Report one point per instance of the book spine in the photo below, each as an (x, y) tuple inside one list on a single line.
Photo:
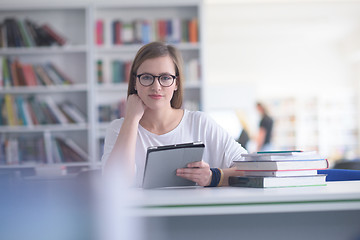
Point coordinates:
[(73, 112), (24, 35), (99, 32), (193, 31), (45, 79), (29, 75), (65, 78), (60, 40), (21, 114), (246, 182), (10, 110), (100, 72), (27, 115), (52, 75), (56, 111)]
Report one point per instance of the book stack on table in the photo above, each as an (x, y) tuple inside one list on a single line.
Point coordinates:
[(280, 169)]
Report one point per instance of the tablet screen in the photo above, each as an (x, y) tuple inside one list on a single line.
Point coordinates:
[(162, 162)]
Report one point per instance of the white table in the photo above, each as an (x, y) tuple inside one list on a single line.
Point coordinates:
[(324, 212)]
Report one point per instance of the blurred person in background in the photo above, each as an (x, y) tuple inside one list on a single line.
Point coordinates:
[(265, 129)]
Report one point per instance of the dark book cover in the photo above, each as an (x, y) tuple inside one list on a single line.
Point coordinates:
[(50, 116), (10, 35), (68, 153), (31, 29), (60, 40)]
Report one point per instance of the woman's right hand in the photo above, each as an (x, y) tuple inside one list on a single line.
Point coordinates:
[(135, 107)]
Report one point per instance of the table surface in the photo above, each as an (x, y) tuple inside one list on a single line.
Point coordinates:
[(335, 196)]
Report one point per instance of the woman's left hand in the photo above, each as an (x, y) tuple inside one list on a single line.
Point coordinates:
[(198, 172)]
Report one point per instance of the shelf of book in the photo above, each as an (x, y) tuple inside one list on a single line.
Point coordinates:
[(44, 85), (120, 31), (116, 49), (325, 123), (72, 45)]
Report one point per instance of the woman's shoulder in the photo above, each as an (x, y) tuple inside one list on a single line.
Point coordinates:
[(198, 116), (116, 124)]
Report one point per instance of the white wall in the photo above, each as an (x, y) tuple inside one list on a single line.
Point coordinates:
[(280, 48)]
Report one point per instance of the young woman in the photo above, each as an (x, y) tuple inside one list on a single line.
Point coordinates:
[(154, 117)]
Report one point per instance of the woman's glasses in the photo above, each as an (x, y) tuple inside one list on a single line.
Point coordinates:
[(147, 79)]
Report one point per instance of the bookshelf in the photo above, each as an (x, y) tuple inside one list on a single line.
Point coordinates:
[(325, 123), (78, 60), (29, 142), (110, 94)]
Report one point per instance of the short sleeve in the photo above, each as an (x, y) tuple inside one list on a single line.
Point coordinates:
[(112, 133)]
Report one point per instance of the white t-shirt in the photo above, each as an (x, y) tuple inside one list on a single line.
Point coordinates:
[(220, 148)]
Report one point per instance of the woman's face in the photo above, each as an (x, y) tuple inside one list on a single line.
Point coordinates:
[(156, 96)]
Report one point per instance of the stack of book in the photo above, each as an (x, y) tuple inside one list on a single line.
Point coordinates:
[(280, 169)]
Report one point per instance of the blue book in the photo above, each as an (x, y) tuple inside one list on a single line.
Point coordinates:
[(146, 32), (21, 114)]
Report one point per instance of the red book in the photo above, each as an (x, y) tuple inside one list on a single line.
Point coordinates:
[(29, 74), (161, 30), (193, 31), (99, 32), (118, 38)]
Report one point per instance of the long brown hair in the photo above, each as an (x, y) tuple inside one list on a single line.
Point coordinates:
[(154, 50)]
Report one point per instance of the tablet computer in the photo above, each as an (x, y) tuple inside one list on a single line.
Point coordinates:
[(162, 162)]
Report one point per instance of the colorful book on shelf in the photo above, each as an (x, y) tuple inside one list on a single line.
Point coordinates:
[(274, 182), (127, 33), (37, 111), (25, 34), (99, 32), (10, 110), (73, 112), (6, 72), (1, 71), (50, 118), (19, 73), (2, 37), (32, 33), (29, 75), (42, 75), (146, 32), (99, 71), (55, 110), (193, 31), (64, 78), (14, 76), (31, 150), (60, 40), (20, 111), (117, 37), (69, 150)]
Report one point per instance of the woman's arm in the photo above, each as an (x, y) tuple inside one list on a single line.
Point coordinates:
[(228, 172), (200, 173), (123, 152)]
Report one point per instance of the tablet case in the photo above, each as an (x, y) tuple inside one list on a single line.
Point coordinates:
[(162, 162)]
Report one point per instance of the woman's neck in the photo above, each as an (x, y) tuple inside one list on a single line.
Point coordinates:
[(161, 121)]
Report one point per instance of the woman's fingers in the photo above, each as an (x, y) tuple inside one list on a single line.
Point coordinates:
[(198, 172)]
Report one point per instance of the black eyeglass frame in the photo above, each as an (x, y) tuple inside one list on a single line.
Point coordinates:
[(158, 78)]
